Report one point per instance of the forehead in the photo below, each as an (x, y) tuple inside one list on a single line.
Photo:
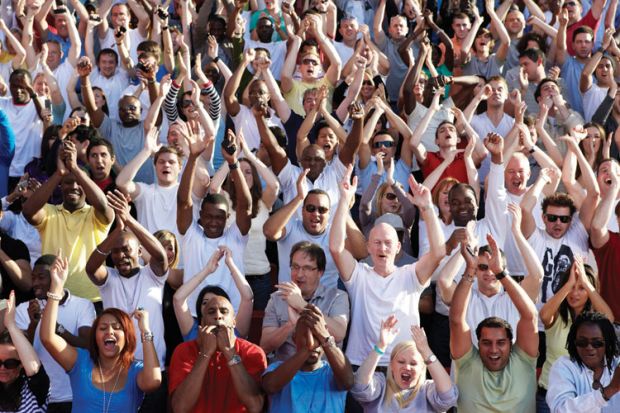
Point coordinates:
[(302, 257), (41, 270), (126, 239), (558, 210), (517, 162), (589, 330), (108, 319), (583, 36), (258, 85), (497, 84), (217, 302), (461, 192), (493, 333), (167, 156), (129, 100), (397, 20), (460, 21), (313, 151), (317, 199), (99, 150), (383, 232), (214, 208)]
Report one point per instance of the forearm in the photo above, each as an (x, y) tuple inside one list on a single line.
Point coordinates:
[(151, 371), (338, 231), (27, 355), (125, 178), (39, 198), (364, 373), (275, 381), (20, 278), (148, 242), (435, 233), (275, 225), (343, 373), (94, 195), (186, 395), (276, 337), (525, 306)]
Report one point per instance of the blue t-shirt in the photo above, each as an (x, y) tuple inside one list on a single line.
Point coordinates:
[(309, 391), (88, 398), (571, 73)]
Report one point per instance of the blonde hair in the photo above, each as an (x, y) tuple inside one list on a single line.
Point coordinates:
[(391, 388), (164, 236), (379, 196)]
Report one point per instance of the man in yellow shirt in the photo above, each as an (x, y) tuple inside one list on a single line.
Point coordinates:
[(76, 227)]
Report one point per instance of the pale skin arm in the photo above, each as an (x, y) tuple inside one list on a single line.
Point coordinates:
[(387, 334), (531, 283), (445, 282), (344, 260), (560, 40), (528, 224), (244, 314), (27, 355), (500, 29), (288, 69), (599, 234), (460, 332), (20, 52), (377, 25)]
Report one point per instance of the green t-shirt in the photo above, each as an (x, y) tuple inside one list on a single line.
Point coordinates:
[(512, 389)]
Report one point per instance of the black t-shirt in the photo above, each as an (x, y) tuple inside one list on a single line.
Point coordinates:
[(16, 250)]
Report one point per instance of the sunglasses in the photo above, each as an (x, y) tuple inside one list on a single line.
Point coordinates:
[(313, 208), (594, 343), (130, 108), (564, 219), (10, 364), (390, 196), (186, 103), (570, 3), (310, 62), (483, 267), (383, 144), (368, 83)]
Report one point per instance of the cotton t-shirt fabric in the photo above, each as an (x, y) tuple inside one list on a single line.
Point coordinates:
[(456, 169), (89, 399), (157, 207), (428, 400), (592, 99), (33, 393), (309, 391), (295, 96), (18, 227), (608, 263), (555, 338), (218, 393), (373, 299), (571, 72), (144, 289), (28, 130), (481, 307), (512, 389), (73, 314), (492, 67), (77, 233), (244, 120)]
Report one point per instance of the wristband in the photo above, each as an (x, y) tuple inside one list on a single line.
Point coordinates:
[(105, 254), (533, 149), (431, 359), (233, 166), (207, 84), (468, 278), (378, 350), (150, 82), (55, 297), (600, 49), (501, 275), (164, 27), (216, 59)]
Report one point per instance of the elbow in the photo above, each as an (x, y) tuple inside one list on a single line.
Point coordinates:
[(348, 381), (255, 403)]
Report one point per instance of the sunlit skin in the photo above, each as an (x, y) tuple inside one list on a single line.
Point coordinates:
[(100, 162), (444, 204), (171, 252), (368, 88), (126, 255), (73, 196), (120, 15), (315, 223), (388, 152), (604, 73), (305, 274), (515, 23), (167, 168), (461, 28), (603, 176), (530, 67), (482, 45), (348, 30), (516, 175), (398, 28), (488, 284), (577, 297), (593, 358), (406, 368), (99, 98), (8, 376), (582, 45), (310, 68), (310, 101), (592, 140), (54, 55), (494, 347), (40, 86), (107, 65), (218, 312), (109, 336), (499, 95), (556, 229), (313, 158), (327, 140), (388, 205), (129, 109), (574, 11), (246, 171), (61, 24), (41, 281), (19, 93), (446, 136), (383, 246)]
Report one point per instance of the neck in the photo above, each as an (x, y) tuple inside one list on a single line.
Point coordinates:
[(444, 151), (495, 113), (350, 43), (488, 291), (131, 273), (386, 270), (108, 363), (539, 75)]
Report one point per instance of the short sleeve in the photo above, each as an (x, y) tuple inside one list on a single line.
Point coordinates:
[(87, 314), (181, 365), (340, 306), (255, 362), (22, 320), (271, 318)]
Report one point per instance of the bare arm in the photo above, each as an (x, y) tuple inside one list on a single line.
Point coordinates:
[(599, 234), (531, 283), (345, 262), (460, 332), (288, 69), (560, 40), (377, 25)]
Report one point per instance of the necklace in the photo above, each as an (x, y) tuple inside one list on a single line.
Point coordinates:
[(105, 408)]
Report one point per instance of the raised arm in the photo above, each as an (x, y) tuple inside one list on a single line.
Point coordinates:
[(275, 227), (599, 234), (560, 40), (347, 153), (585, 81), (149, 378), (277, 154), (243, 209), (335, 64), (531, 283), (345, 262), (96, 114), (272, 185), (288, 69), (460, 332), (528, 224), (416, 138), (377, 25), (27, 355), (230, 90), (471, 36), (387, 333), (500, 29), (184, 193), (20, 52)]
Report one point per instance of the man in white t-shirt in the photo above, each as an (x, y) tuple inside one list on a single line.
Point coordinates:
[(75, 317), (603, 178), (120, 17), (384, 289), (348, 29), (201, 238)]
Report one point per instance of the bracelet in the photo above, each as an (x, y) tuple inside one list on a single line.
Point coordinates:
[(101, 252), (378, 350), (469, 278), (216, 59), (150, 82), (55, 297), (203, 355), (147, 337), (431, 359), (501, 275), (164, 27), (233, 166)]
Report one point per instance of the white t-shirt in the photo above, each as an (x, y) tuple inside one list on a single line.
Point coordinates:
[(373, 299), (277, 51), (146, 290), (74, 313), (63, 74), (19, 228), (483, 126), (28, 130), (198, 249), (113, 88), (133, 37), (245, 120), (516, 266), (481, 307), (345, 52), (157, 207), (254, 257), (592, 100), (428, 137)]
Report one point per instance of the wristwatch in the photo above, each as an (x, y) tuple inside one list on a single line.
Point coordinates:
[(329, 342), (60, 329), (431, 359), (236, 359)]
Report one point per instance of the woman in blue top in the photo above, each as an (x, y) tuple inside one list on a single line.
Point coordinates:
[(106, 378)]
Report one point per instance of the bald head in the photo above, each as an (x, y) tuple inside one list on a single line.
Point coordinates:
[(517, 174)]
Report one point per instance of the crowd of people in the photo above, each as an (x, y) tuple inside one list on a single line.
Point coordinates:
[(309, 206)]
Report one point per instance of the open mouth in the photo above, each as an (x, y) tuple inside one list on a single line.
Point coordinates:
[(406, 378), (109, 344)]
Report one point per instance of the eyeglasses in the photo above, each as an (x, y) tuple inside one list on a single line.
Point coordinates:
[(483, 267), (10, 364), (186, 103), (390, 196), (304, 268), (594, 343), (309, 62), (384, 144), (313, 208), (564, 219), (129, 108), (570, 3)]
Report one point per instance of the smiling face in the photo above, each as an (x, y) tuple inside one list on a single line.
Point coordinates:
[(313, 158), (100, 162), (348, 29), (109, 336), (592, 357), (494, 347), (167, 168), (73, 196), (107, 63), (577, 297), (558, 228), (126, 254), (54, 55), (213, 219), (41, 281), (315, 213), (407, 367), (516, 175), (7, 352), (40, 85), (463, 205), (515, 22), (389, 202)]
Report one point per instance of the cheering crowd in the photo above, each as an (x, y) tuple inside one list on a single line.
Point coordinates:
[(309, 206)]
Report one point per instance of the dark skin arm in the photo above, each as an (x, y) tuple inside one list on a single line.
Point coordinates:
[(277, 154), (242, 192), (184, 193), (84, 67), (443, 38), (354, 140)]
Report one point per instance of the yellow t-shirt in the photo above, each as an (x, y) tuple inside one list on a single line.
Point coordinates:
[(295, 96), (77, 234), (555, 338)]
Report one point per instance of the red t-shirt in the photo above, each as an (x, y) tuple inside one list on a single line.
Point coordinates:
[(456, 169), (608, 263), (218, 394), (587, 20)]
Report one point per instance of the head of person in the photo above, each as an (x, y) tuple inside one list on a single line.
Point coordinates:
[(383, 142), (272, 5), (398, 27), (307, 261), (19, 81), (500, 92), (420, 85), (592, 145), (310, 67), (461, 25), (205, 295), (316, 211), (309, 46), (313, 158), (214, 212), (168, 161), (169, 241), (326, 138), (348, 28), (583, 41), (446, 135), (395, 221), (61, 23), (112, 336), (41, 279), (73, 196), (484, 42), (264, 29), (592, 341), (252, 179), (81, 137), (603, 173), (310, 99), (575, 10), (368, 86), (439, 195), (218, 311), (494, 342), (546, 88), (126, 254), (258, 93), (531, 40), (488, 284), (515, 21), (406, 372), (101, 157), (100, 100), (532, 60), (386, 200), (129, 110), (604, 72), (120, 15), (558, 210), (54, 54), (11, 368), (40, 86), (577, 300), (517, 174), (300, 335), (383, 245), (463, 204), (151, 47), (216, 26), (107, 62), (81, 114)]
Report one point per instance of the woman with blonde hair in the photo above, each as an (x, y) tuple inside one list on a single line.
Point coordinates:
[(404, 388)]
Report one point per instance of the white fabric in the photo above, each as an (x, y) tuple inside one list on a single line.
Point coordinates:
[(345, 52), (481, 307), (112, 87), (19, 228), (428, 137), (132, 35), (277, 51), (374, 298), (28, 130), (483, 126), (592, 100), (245, 120), (74, 313), (516, 266), (146, 290), (254, 257), (157, 207), (198, 249)]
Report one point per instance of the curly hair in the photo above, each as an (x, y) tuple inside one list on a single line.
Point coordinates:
[(609, 335)]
